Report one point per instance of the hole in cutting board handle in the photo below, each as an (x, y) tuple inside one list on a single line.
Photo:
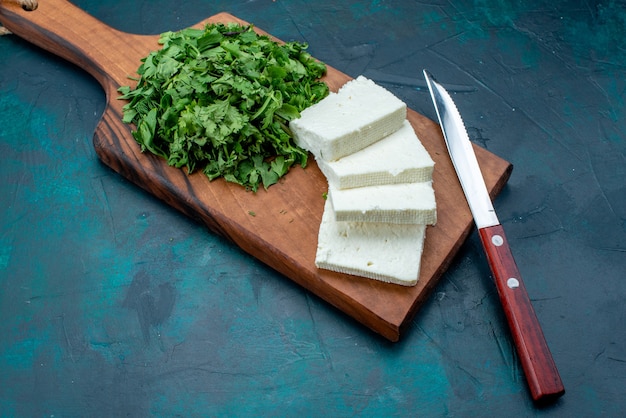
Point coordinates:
[(28, 5)]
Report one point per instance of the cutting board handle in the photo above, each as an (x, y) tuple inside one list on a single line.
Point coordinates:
[(63, 29)]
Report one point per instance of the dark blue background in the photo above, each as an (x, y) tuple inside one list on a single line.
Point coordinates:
[(113, 304)]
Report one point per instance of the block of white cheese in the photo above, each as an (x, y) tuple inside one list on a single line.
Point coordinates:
[(397, 158), (407, 203), (386, 252), (342, 123)]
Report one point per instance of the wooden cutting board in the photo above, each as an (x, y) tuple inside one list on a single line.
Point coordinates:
[(279, 227)]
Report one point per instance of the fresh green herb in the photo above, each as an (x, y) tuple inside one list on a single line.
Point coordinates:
[(220, 99)]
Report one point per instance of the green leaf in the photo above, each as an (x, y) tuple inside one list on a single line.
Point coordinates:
[(288, 112), (209, 39), (146, 133)]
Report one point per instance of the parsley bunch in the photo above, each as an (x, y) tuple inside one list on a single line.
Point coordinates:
[(220, 99)]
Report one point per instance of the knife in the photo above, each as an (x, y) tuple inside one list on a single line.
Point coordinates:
[(539, 368)]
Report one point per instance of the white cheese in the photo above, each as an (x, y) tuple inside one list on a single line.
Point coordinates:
[(397, 158), (386, 252), (342, 123), (409, 203)]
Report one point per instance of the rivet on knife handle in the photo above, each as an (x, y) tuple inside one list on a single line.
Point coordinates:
[(541, 373)]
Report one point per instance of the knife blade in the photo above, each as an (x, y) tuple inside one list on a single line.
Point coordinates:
[(541, 373)]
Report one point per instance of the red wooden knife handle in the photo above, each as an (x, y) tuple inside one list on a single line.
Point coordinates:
[(541, 372)]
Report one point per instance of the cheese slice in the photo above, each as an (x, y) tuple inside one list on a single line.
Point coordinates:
[(387, 252), (342, 123), (397, 158), (409, 203)]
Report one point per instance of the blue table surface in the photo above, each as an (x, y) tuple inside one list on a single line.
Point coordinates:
[(114, 304)]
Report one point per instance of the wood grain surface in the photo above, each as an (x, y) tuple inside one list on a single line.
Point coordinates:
[(279, 227)]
